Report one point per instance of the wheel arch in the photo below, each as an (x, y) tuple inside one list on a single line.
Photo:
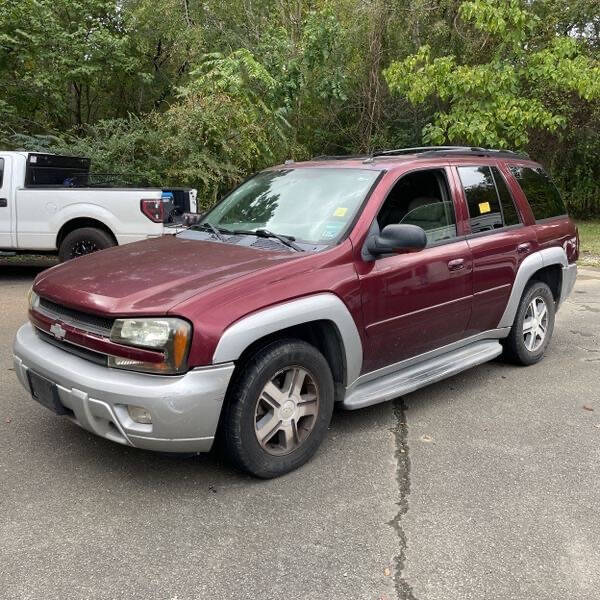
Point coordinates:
[(79, 223), (322, 320), (545, 265)]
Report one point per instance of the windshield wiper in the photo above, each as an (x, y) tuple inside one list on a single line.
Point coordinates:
[(286, 240), (216, 230)]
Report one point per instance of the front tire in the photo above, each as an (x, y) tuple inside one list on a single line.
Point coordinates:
[(278, 409), (84, 241), (533, 325)]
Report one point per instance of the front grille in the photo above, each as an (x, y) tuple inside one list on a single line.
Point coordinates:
[(96, 357), (81, 320)]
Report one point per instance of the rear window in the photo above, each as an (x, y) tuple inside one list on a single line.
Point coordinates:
[(1, 170), (542, 195), (490, 204)]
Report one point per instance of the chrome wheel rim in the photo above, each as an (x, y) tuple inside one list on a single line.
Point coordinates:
[(535, 324), (286, 411)]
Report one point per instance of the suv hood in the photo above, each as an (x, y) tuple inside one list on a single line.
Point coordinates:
[(150, 277)]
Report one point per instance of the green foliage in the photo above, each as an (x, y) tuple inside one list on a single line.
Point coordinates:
[(203, 93), (498, 102)]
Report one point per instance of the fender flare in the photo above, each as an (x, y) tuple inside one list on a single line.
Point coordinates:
[(319, 307), (533, 263)]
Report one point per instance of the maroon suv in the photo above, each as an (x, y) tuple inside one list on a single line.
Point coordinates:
[(342, 279)]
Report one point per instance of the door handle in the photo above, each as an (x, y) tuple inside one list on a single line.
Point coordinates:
[(3, 202), (456, 264), (524, 247)]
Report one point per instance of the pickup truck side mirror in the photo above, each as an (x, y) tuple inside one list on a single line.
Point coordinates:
[(397, 238)]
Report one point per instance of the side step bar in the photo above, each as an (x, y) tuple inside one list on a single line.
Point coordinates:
[(424, 373)]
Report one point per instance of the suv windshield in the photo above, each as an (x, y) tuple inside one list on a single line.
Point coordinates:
[(313, 205)]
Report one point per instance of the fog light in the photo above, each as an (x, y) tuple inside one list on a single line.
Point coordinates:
[(139, 414)]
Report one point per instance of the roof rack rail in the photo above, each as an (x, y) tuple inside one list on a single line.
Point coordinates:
[(437, 150), (418, 150), (338, 156), (426, 151)]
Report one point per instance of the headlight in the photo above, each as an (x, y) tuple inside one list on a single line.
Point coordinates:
[(168, 335), (33, 299)]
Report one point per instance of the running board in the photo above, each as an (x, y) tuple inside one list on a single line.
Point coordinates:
[(417, 376)]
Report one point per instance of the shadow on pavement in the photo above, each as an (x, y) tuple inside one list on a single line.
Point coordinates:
[(72, 449)]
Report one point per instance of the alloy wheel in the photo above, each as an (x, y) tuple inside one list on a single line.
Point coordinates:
[(286, 411), (535, 324)]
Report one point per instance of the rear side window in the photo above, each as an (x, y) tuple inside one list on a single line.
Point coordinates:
[(490, 204), (542, 195), (1, 170)]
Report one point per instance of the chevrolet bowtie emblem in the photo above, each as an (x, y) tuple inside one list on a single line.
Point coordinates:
[(57, 331)]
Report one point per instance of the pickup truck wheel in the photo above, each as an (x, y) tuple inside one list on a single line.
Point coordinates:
[(278, 409), (533, 325), (84, 241)]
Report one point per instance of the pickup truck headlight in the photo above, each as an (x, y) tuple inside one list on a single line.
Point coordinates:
[(168, 335)]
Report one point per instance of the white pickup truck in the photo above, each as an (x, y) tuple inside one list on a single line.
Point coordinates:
[(49, 203)]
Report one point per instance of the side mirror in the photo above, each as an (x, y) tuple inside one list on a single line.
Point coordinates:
[(397, 238)]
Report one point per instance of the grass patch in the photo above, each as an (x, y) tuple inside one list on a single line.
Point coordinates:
[(589, 235)]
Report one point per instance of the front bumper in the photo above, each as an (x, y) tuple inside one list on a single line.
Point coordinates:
[(185, 409)]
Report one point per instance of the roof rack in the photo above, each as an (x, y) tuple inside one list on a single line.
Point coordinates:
[(427, 151), (446, 150), (338, 156)]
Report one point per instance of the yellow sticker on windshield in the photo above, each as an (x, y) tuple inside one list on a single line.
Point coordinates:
[(340, 212), (484, 207)]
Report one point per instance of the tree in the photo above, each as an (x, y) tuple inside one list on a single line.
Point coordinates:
[(513, 86)]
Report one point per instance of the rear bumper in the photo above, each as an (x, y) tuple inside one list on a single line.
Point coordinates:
[(569, 276), (185, 409)]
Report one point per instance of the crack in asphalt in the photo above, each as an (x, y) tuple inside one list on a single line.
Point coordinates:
[(403, 589)]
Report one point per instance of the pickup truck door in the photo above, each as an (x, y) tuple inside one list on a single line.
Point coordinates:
[(416, 302), (6, 238)]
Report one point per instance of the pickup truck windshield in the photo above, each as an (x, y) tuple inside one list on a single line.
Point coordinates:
[(313, 205)]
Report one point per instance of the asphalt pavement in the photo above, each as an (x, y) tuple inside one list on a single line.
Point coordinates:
[(485, 486)]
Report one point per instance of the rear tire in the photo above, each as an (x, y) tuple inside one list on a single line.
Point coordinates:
[(533, 326), (84, 241), (278, 409)]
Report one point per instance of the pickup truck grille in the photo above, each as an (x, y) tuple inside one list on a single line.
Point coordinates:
[(84, 321)]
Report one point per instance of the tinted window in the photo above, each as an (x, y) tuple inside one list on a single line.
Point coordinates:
[(484, 208), (509, 210), (542, 195), (1, 170)]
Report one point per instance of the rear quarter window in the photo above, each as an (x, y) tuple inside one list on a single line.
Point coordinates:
[(541, 193), (1, 170)]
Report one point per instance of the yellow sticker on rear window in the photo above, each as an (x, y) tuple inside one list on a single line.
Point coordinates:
[(340, 212), (484, 207)]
